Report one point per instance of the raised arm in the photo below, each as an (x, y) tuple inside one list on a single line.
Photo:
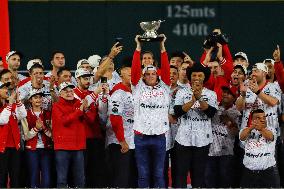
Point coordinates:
[(136, 70), (115, 50), (165, 65), (278, 66)]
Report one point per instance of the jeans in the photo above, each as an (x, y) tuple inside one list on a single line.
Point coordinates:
[(150, 152), (193, 159), (10, 163), (39, 167), (219, 171), (70, 160)]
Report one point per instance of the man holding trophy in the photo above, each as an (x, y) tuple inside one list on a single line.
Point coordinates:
[(151, 107)]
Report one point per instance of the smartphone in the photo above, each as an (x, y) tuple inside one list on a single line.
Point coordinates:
[(119, 40), (103, 79)]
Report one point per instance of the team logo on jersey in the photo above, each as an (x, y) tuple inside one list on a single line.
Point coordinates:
[(114, 110)]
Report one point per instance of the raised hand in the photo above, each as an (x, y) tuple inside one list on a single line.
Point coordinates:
[(208, 56), (219, 53), (115, 50), (52, 81), (276, 54), (138, 43), (163, 48), (105, 88), (187, 58), (12, 98)]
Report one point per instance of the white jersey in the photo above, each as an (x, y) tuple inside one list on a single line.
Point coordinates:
[(223, 141), (252, 102), (151, 108), (73, 80), (121, 104), (21, 77), (25, 89), (111, 83), (183, 84), (172, 132), (195, 128), (259, 153)]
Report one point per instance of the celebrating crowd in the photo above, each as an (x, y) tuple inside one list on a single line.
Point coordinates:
[(216, 120)]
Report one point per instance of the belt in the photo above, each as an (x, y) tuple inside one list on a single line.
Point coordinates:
[(261, 171), (141, 134)]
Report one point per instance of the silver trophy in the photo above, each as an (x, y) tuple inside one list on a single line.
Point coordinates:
[(150, 29)]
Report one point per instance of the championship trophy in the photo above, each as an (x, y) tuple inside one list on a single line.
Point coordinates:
[(150, 29)]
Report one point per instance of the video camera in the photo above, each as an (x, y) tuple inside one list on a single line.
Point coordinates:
[(212, 39)]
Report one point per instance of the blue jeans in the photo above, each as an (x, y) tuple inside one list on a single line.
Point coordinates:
[(150, 152), (70, 160), (39, 163)]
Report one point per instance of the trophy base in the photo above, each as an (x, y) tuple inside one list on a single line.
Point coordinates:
[(145, 39)]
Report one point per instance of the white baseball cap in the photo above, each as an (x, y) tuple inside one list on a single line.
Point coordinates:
[(33, 62), (82, 61), (242, 55), (34, 92), (269, 60), (149, 67), (260, 66), (82, 72), (11, 53), (94, 60), (65, 85)]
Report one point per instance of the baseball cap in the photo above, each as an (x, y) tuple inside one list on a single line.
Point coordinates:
[(82, 72), (94, 60), (34, 92), (149, 67), (11, 53), (241, 55), (269, 60), (228, 88), (260, 66), (64, 85), (4, 84), (33, 62), (244, 70), (82, 61)]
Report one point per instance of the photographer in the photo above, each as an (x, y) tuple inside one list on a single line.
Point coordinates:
[(216, 49)]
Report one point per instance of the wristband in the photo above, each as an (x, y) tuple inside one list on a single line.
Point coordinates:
[(257, 92)]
